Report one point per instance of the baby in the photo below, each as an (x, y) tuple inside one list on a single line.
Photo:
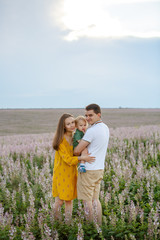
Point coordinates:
[(81, 125)]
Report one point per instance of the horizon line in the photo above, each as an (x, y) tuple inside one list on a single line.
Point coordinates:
[(78, 108)]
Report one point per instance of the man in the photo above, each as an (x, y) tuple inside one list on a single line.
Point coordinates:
[(96, 141)]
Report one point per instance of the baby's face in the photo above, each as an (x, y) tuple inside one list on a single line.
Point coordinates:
[(82, 126)]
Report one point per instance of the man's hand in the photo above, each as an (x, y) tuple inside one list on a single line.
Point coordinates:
[(81, 146), (84, 152)]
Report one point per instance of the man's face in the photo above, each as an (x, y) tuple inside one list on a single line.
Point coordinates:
[(92, 117)]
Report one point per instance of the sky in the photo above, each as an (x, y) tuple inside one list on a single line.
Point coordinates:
[(70, 53)]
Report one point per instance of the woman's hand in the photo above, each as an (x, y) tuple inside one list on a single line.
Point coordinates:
[(87, 158)]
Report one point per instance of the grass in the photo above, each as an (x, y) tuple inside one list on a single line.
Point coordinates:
[(31, 121)]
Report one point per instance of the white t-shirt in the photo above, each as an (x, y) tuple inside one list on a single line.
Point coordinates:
[(98, 136)]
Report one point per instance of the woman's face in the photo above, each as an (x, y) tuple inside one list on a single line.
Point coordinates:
[(69, 124)]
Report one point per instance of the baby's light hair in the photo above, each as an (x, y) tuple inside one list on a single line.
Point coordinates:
[(80, 118)]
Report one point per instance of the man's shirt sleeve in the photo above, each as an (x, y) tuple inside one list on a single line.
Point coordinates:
[(88, 136)]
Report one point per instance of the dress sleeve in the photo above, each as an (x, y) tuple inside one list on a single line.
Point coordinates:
[(67, 158)]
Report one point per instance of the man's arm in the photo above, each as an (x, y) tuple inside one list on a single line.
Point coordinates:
[(81, 146)]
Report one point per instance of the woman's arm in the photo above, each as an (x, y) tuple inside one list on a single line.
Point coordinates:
[(73, 160), (69, 159)]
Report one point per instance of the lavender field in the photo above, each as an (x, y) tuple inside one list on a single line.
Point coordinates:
[(130, 191)]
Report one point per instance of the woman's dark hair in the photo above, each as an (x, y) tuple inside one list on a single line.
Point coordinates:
[(96, 108), (60, 131)]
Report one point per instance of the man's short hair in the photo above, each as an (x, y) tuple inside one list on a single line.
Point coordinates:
[(96, 108)]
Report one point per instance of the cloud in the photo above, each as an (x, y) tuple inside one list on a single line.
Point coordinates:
[(107, 18)]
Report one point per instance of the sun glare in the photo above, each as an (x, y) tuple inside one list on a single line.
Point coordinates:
[(93, 19)]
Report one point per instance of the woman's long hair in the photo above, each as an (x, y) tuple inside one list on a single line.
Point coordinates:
[(58, 137)]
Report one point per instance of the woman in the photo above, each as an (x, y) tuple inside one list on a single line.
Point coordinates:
[(64, 187)]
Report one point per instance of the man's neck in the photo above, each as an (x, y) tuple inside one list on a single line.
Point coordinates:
[(98, 121)]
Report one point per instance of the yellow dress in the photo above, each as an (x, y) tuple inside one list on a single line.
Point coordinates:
[(65, 173)]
